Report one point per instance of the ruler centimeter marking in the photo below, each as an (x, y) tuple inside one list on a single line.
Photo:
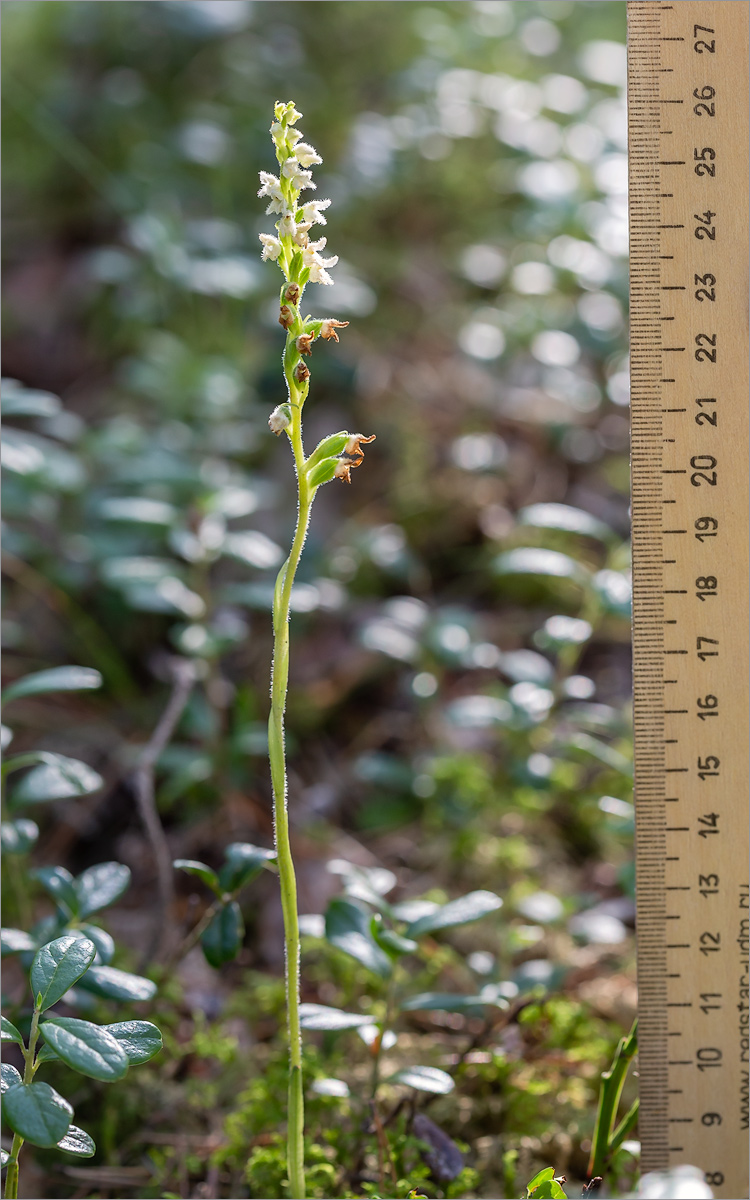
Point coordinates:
[(688, 141)]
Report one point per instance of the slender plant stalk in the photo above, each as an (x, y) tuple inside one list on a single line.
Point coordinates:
[(287, 877), (612, 1082), (11, 1178), (301, 262)]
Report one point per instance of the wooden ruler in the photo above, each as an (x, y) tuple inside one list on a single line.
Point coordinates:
[(688, 128)]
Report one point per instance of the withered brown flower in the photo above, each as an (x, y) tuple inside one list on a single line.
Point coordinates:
[(329, 327)]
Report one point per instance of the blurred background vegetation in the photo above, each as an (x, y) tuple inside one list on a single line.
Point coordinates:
[(459, 711)]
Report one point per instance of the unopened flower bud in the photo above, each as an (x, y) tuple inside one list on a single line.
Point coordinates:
[(280, 419), (328, 328), (304, 343), (286, 317), (292, 293), (301, 372)]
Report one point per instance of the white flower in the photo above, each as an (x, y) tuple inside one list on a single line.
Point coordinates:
[(307, 154), (312, 211), (271, 186), (281, 133), (287, 226), (300, 236), (318, 273), (312, 259), (311, 252), (271, 246), (293, 171)]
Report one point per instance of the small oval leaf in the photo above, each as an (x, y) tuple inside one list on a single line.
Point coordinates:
[(117, 985), (86, 1048), (9, 1077), (531, 560), (348, 927), (139, 1039), (321, 1017), (57, 778), (193, 867), (14, 941), (105, 946), (9, 1033), (458, 912), (100, 886), (57, 966), (59, 884), (424, 1079), (446, 1002), (567, 519), (222, 940), (78, 1142), (56, 679), (37, 1113), (243, 863)]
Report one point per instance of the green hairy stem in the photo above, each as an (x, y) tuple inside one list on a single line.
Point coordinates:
[(287, 877), (300, 261)]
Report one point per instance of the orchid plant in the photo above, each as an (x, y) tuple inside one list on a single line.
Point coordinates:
[(301, 262)]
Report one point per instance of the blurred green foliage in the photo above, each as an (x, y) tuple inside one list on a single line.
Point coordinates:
[(459, 703)]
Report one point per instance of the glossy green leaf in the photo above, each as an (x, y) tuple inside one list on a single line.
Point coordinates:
[(348, 927), (222, 940), (86, 1047), (550, 1189), (100, 886), (20, 401), (320, 1016), (567, 519), (18, 836), (424, 1079), (57, 778), (9, 1033), (393, 943), (139, 1039), (117, 985), (243, 863), (59, 965), (446, 1002), (77, 1142), (545, 1174), (9, 1077), (530, 560), (59, 884), (57, 679), (37, 1113), (458, 912), (193, 867), (47, 1054), (15, 941)]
